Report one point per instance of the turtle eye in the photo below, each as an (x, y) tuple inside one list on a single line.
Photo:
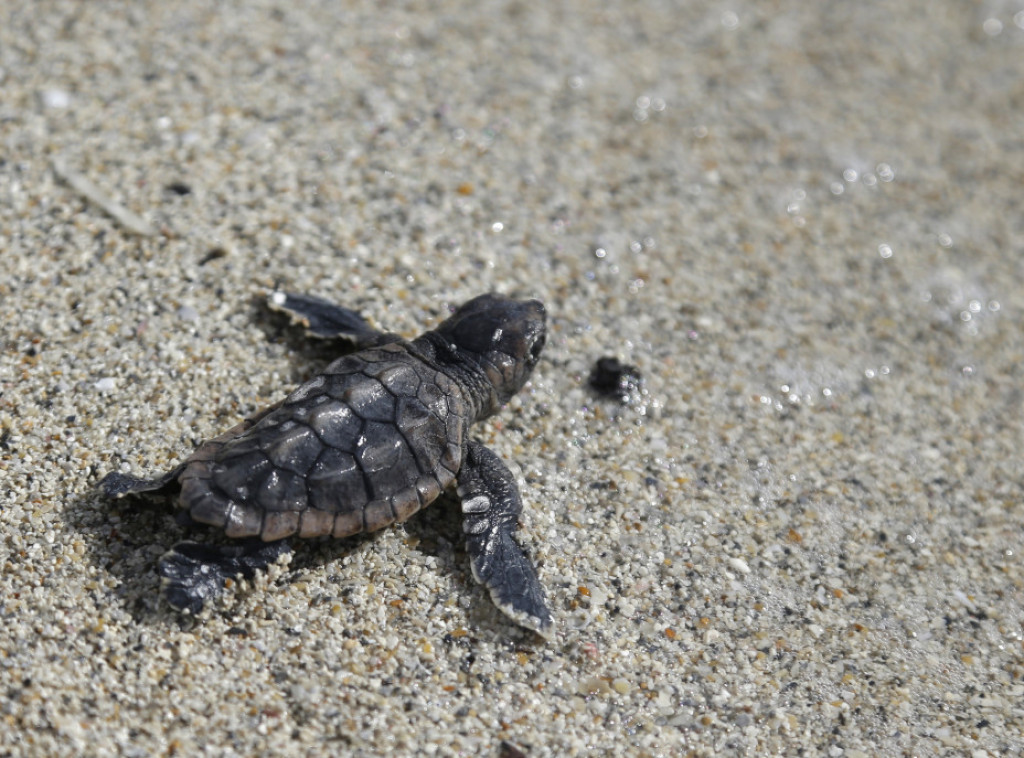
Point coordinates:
[(536, 347)]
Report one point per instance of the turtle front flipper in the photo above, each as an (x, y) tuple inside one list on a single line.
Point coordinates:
[(192, 573), (322, 318), (491, 505)]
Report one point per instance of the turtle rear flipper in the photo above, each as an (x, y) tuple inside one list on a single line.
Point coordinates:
[(192, 573), (116, 484), (491, 505)]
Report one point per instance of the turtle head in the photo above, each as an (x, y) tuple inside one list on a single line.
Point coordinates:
[(500, 337)]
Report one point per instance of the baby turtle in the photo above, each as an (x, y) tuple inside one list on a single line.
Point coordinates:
[(374, 438)]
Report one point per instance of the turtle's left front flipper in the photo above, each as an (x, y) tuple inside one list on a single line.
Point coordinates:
[(491, 505), (322, 318)]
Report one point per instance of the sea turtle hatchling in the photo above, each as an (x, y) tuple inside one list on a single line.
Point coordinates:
[(375, 437)]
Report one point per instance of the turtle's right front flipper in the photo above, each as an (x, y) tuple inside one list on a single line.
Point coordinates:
[(491, 506), (322, 318)]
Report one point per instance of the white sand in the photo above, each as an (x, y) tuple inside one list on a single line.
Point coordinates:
[(801, 221)]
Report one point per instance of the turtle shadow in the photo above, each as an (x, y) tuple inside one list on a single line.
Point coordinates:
[(125, 538)]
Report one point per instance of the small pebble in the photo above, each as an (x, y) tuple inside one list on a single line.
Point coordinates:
[(613, 378)]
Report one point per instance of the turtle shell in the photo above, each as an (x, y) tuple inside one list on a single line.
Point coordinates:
[(374, 438)]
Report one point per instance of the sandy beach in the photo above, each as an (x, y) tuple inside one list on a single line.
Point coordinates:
[(800, 222)]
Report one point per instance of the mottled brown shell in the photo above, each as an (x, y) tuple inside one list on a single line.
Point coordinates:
[(374, 438)]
